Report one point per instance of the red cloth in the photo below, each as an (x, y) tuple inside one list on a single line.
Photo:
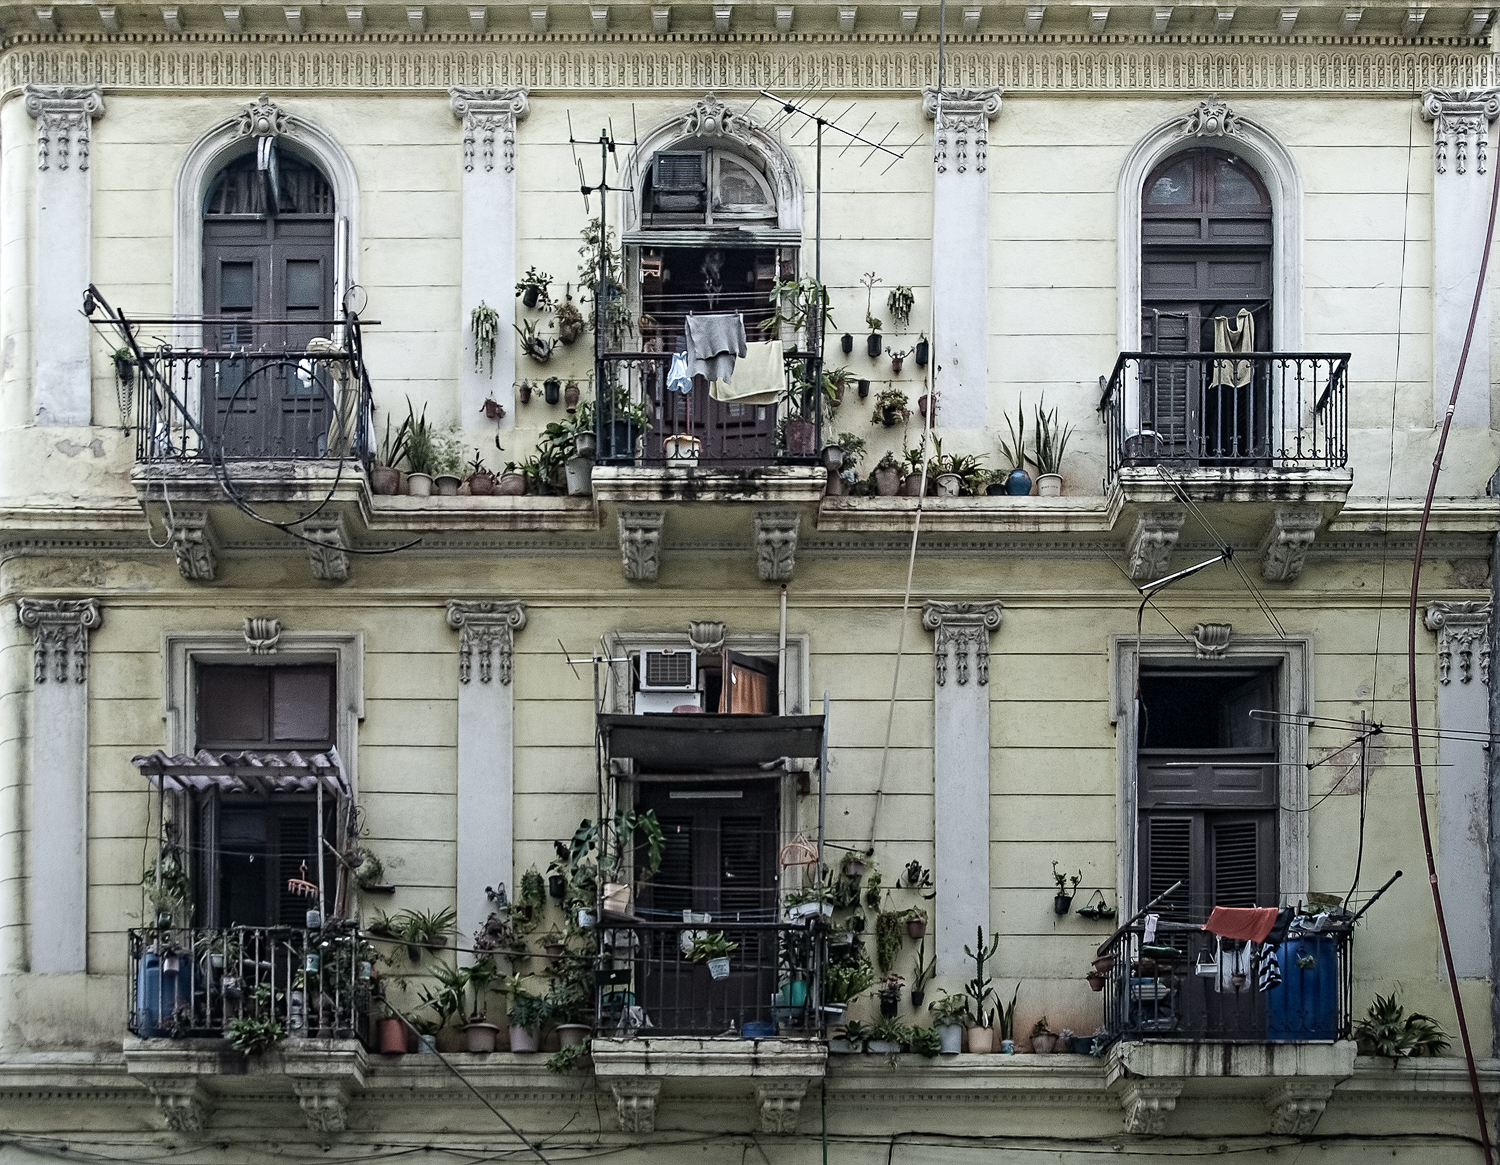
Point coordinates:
[(1252, 923)]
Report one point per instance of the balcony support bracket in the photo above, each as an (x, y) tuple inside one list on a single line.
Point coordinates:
[(780, 1104), (640, 543), (182, 1101), (1149, 551), (776, 544), (325, 551), (1147, 1104), (1283, 551), (195, 544), (635, 1103), (1297, 1105)]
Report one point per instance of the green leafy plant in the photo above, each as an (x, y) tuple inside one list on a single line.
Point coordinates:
[(527, 1011), (712, 946), (1008, 1016), (949, 1010), (533, 343), (614, 310), (254, 1035), (844, 983), (571, 322), (1013, 452), (168, 887), (892, 403), (539, 280), (393, 448), (1051, 439), (925, 968), (1040, 1028), (899, 303), (853, 448), (448, 454), (925, 1041), (857, 1033), (1388, 1031), (423, 928), (564, 1060), (979, 989), (890, 932), (890, 1029), (869, 279), (796, 301), (484, 322), (421, 441), (1062, 880)]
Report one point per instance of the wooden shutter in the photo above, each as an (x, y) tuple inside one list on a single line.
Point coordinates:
[(1241, 860), (1168, 858), (296, 838), (203, 838), (1168, 396), (672, 884), (742, 873)]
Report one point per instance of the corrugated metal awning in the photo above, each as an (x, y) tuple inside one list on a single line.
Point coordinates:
[(271, 771), (682, 742)]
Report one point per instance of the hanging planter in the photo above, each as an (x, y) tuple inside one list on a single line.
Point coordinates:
[(493, 409), (874, 344), (864, 389), (535, 345), (552, 390), (570, 396), (897, 360), (484, 322), (847, 343), (922, 352), (525, 392)]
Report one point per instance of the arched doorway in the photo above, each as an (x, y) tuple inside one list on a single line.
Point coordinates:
[(268, 282), (1206, 266)]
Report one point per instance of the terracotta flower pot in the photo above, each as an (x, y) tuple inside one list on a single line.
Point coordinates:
[(1044, 1044), (570, 396), (522, 1040), (572, 1035), (511, 484), (385, 480), (481, 1037), (916, 928), (390, 1035), (836, 484), (981, 1041), (447, 484), (887, 482), (481, 484), (1096, 981)]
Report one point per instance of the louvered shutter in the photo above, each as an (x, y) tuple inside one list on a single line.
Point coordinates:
[(1168, 858), (1241, 860), (1168, 386), (296, 838), (672, 884), (742, 882)]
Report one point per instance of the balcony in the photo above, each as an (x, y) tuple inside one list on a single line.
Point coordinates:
[(1226, 424)]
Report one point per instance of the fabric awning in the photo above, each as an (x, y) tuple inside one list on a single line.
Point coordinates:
[(286, 771), (685, 742)]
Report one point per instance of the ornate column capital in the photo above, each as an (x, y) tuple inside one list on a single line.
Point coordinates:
[(1458, 115), (964, 629), (485, 112), (64, 115), (60, 636), (966, 117), (485, 627), (1461, 627)]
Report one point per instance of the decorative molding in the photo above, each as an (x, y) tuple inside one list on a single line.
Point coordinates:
[(484, 113), (262, 118), (195, 545), (1458, 115), (1460, 627), (326, 543), (690, 62), (1149, 551), (640, 543), (1147, 1103), (1283, 551), (64, 117), (1297, 1105), (1211, 119), (964, 629), (776, 544), (182, 1101), (324, 1102), (966, 115), (780, 1104), (635, 1103), (706, 636), (486, 628), (262, 635), (60, 636), (1212, 639)]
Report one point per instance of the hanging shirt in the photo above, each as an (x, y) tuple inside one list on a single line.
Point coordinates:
[(1236, 337), (679, 379), (713, 345), (759, 377)]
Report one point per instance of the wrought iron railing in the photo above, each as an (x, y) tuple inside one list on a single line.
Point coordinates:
[(1188, 985), (648, 984), (691, 429), (190, 981), (1259, 410)]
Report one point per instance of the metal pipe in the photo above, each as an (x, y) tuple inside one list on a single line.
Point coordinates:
[(781, 659)]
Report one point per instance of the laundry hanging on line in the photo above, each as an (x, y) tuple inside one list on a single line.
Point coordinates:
[(1236, 337), (759, 376), (714, 343)]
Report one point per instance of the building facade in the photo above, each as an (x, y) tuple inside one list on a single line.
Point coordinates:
[(282, 748)]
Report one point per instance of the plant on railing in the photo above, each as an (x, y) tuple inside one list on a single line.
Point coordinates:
[(423, 929), (484, 322), (614, 310), (1387, 1031), (899, 303), (571, 322), (532, 289), (846, 982), (258, 1030), (167, 884), (797, 303), (712, 946)]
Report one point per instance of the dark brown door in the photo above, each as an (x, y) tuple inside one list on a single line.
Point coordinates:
[(268, 257), (719, 859)]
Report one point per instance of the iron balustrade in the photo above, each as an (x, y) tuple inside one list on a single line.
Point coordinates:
[(1188, 985), (195, 981), (260, 395), (632, 385), (648, 985), (1253, 410)]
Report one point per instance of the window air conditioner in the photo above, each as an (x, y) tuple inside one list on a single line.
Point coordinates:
[(680, 171), (669, 670)]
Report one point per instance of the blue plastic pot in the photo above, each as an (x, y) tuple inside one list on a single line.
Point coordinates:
[(758, 1030), (1018, 484)]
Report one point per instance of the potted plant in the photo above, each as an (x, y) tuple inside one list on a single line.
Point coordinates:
[(523, 390), (423, 930), (1047, 448), (948, 1018), (846, 344), (887, 475), (890, 408), (1013, 453), (448, 464), (924, 971), (979, 992), (527, 1014), (714, 949), (619, 426), (922, 351), (484, 323), (890, 995), (835, 382), (421, 453), (1043, 1040), (512, 481), (863, 387), (849, 451), (916, 923), (535, 345), (532, 289), (568, 1002), (898, 359), (927, 406), (571, 393), (481, 480), (887, 1035), (874, 342), (911, 485), (941, 471), (390, 1035), (844, 982), (1007, 1023), (853, 1040), (899, 303), (1062, 901), (570, 321), (481, 1033), (385, 478)]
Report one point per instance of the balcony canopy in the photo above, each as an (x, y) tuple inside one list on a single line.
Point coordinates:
[(668, 742), (246, 772)]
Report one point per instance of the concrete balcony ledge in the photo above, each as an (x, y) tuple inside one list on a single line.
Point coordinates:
[(777, 1072), (976, 515), (650, 485)]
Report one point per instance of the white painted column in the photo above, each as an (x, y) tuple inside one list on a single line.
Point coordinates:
[(961, 773), (57, 903), (1463, 808), (1460, 211), (486, 758), (960, 252), (489, 240), (64, 119)]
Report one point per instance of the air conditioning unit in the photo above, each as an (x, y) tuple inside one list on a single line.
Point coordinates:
[(669, 669), (680, 171)]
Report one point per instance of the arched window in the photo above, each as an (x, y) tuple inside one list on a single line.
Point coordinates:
[(1206, 255), (268, 259), (686, 187)]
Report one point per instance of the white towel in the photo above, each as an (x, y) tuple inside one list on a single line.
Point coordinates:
[(759, 376)]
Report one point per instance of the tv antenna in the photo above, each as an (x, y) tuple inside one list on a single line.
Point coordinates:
[(608, 146)]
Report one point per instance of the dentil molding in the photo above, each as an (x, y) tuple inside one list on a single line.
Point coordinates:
[(486, 628), (60, 636)]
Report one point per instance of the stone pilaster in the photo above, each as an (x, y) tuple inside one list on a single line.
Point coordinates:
[(489, 118), (1463, 631), (961, 772), (486, 759), (64, 123), (960, 266), (57, 903), (1461, 120)]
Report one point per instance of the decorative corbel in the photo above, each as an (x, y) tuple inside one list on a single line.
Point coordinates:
[(486, 113), (1296, 1105), (325, 550), (1283, 551), (1212, 639), (635, 1103), (1149, 552), (1460, 116), (780, 1104), (182, 1101), (195, 544), (64, 122), (776, 544), (640, 543), (324, 1102), (706, 636), (262, 635), (1147, 1103)]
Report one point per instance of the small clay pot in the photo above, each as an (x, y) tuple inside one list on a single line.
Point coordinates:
[(511, 485), (1096, 981), (887, 482), (385, 480), (916, 928), (481, 484), (525, 392), (570, 396), (493, 409), (912, 486), (447, 485)]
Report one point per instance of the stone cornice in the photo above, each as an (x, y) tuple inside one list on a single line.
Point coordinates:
[(745, 63)]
